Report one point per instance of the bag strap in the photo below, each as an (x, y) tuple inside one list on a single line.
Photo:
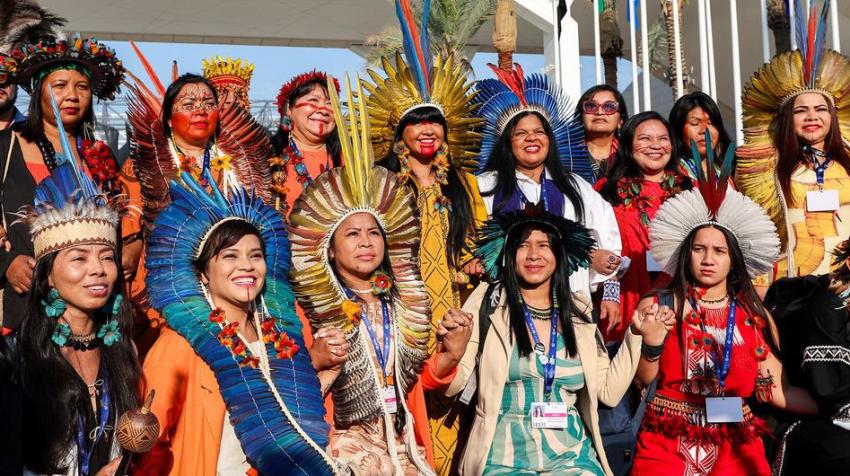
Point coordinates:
[(3, 181)]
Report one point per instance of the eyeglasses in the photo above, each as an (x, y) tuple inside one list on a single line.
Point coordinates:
[(608, 107)]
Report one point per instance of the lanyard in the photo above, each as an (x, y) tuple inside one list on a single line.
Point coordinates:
[(820, 168), (527, 203), (206, 161), (547, 361), (723, 371), (383, 355), (83, 449)]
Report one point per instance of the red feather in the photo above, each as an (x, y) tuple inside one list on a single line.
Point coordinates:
[(417, 41), (149, 69), (811, 31), (513, 79)]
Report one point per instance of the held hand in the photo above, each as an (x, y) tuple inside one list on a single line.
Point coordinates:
[(474, 268), (329, 350), (455, 330), (604, 262), (130, 255), (610, 310), (110, 468), (19, 273), (653, 323)]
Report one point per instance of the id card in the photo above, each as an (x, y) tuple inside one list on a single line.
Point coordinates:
[(549, 415), (822, 200), (390, 399), (652, 266), (724, 409)]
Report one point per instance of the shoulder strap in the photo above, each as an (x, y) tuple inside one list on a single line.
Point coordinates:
[(484, 313), (3, 181)]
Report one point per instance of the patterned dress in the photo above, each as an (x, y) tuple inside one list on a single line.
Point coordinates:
[(518, 448), (445, 293)]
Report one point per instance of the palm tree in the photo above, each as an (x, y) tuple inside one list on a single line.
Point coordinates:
[(780, 25), (667, 6), (452, 24), (611, 41)]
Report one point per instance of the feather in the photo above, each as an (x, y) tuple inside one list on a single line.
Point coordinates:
[(425, 37), (819, 41), (412, 47), (25, 22), (811, 33), (149, 69), (800, 27), (246, 142)]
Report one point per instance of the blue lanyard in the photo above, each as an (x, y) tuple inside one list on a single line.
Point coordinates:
[(820, 168), (206, 161), (723, 371), (83, 449), (548, 362), (526, 202), (383, 355)]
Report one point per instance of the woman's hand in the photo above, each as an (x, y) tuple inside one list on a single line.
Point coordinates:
[(604, 262), (455, 330), (610, 310), (4, 240), (653, 323), (19, 273), (329, 350), (110, 468), (473, 268)]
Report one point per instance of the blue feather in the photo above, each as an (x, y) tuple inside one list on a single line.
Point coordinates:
[(409, 47), (425, 35), (820, 40), (801, 28)]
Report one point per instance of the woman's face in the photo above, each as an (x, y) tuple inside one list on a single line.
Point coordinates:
[(697, 123), (529, 143), (312, 116), (357, 246), (535, 261), (424, 139), (651, 147), (72, 91), (596, 115), (812, 119), (194, 115), (710, 261), (236, 274), (84, 276)]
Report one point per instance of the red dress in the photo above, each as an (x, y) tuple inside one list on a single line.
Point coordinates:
[(673, 440), (633, 220)]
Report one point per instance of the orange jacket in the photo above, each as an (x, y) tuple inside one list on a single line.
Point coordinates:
[(189, 407), (416, 404)]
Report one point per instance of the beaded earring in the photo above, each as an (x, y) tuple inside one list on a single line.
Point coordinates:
[(109, 332), (403, 152), (54, 307), (286, 123)]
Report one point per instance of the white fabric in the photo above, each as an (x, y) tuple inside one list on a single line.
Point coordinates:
[(598, 217), (231, 458)]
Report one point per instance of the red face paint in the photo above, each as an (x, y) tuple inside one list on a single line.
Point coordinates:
[(427, 149), (196, 126)]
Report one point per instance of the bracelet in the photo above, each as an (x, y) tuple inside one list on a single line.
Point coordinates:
[(651, 352), (611, 291)]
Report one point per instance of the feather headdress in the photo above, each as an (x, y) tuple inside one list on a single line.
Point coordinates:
[(575, 239), (501, 100), (279, 423), (26, 22), (229, 76), (420, 80), (241, 138), (812, 68), (360, 187), (713, 203), (69, 209)]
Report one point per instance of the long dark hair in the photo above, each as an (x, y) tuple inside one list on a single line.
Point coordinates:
[(174, 90), (503, 163), (33, 129), (51, 388), (281, 138), (591, 91), (625, 166), (788, 146), (738, 283), (679, 116), (460, 219), (560, 282)]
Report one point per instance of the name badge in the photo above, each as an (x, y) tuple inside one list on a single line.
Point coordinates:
[(724, 409), (652, 266), (390, 399), (822, 200), (549, 415)]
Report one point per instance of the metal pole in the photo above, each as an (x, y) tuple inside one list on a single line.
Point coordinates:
[(555, 29), (677, 49), (597, 42), (644, 41), (765, 42), (833, 12), (704, 82), (792, 4), (736, 72), (711, 72), (633, 41)]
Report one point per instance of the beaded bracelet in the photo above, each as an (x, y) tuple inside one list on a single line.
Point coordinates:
[(651, 352), (611, 291)]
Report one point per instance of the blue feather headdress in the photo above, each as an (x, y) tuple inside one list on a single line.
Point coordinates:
[(576, 242), (501, 100), (280, 424), (69, 209)]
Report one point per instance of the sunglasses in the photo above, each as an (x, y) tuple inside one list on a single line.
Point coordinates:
[(608, 107)]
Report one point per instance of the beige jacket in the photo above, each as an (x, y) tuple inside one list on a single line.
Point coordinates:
[(605, 380)]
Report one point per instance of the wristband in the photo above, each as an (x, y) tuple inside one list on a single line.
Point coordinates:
[(611, 291)]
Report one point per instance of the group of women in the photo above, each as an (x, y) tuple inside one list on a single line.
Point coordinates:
[(424, 283)]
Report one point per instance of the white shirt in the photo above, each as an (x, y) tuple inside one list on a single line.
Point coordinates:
[(598, 217)]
